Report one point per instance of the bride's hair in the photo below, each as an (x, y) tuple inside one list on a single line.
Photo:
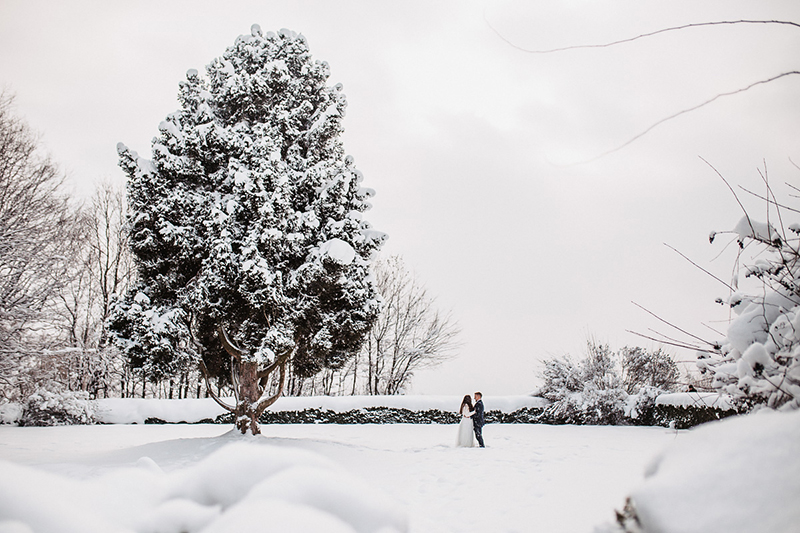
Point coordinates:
[(466, 401)]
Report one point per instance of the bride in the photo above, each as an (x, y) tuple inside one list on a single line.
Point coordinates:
[(466, 437)]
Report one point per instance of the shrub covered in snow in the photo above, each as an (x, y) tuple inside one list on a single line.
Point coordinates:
[(47, 408), (9, 412), (640, 406), (655, 370), (759, 361), (587, 392), (604, 387)]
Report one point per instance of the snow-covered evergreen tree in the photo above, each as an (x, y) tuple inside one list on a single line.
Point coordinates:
[(247, 227)]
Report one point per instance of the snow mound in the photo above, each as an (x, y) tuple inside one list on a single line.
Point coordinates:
[(739, 475), (339, 251), (243, 486)]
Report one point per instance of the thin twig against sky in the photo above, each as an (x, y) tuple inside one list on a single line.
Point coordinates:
[(651, 34), (637, 37), (688, 110)]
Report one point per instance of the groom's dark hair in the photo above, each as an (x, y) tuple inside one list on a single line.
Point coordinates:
[(479, 394)]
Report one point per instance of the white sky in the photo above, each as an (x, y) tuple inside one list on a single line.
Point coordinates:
[(472, 144)]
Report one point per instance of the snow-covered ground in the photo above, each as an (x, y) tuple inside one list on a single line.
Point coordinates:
[(740, 475), (530, 478), (735, 475)]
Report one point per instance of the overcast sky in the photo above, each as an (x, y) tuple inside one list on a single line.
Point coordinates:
[(483, 156)]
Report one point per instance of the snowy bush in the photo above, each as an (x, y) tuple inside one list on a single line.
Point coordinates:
[(759, 361), (47, 408), (589, 392), (639, 406), (652, 369), (606, 388), (9, 412)]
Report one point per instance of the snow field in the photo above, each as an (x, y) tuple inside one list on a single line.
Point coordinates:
[(738, 475), (350, 478)]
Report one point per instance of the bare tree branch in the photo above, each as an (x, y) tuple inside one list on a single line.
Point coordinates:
[(673, 325), (688, 110), (222, 404), (231, 348), (651, 34), (698, 266), (637, 37), (678, 345)]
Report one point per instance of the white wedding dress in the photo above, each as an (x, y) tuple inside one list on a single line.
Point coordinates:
[(466, 436)]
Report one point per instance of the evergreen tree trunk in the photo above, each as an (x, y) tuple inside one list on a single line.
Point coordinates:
[(249, 394)]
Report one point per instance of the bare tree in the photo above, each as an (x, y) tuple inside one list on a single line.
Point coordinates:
[(410, 333), (102, 269), (39, 230), (642, 367), (109, 255)]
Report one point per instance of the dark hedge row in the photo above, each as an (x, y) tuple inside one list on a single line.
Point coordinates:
[(48, 417), (682, 417), (659, 415)]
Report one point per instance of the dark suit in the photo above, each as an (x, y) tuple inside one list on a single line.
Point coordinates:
[(477, 422)]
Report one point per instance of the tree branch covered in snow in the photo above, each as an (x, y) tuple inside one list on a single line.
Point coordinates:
[(759, 362)]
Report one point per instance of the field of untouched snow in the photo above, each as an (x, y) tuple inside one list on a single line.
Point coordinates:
[(529, 478), (738, 475)]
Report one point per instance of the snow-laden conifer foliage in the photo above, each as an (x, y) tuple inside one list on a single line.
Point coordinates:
[(247, 227)]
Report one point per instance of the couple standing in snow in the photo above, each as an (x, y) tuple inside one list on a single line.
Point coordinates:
[(471, 426)]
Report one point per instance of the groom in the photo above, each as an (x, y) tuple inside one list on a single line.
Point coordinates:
[(477, 419)]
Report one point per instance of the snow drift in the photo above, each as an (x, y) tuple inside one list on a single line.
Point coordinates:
[(739, 475), (245, 485)]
